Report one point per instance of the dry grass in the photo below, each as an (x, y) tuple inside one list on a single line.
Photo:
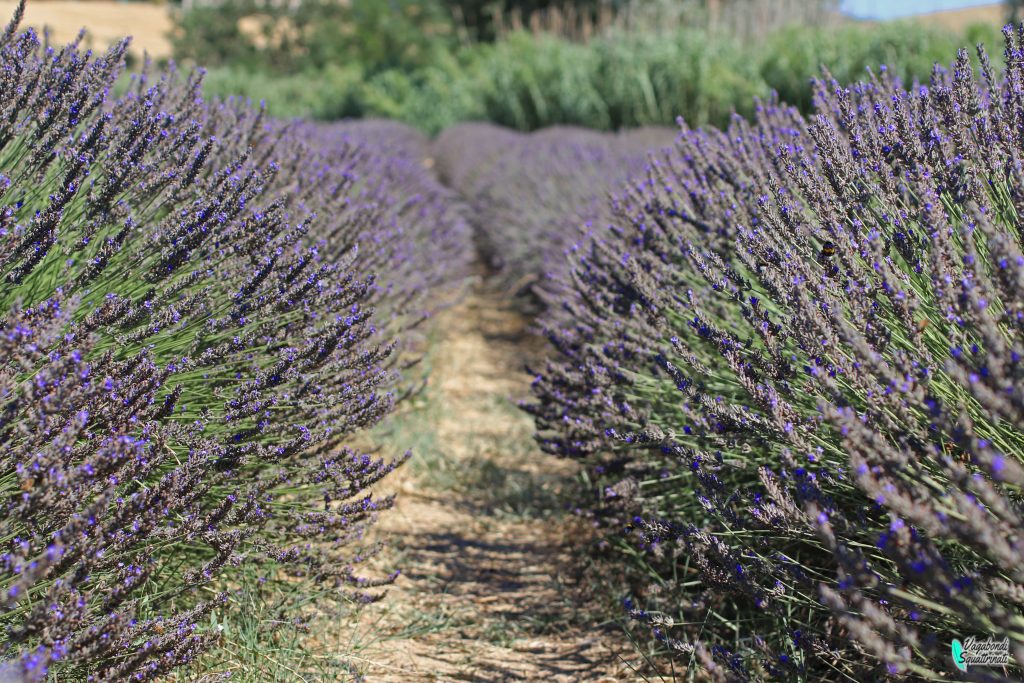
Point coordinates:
[(104, 22), (959, 20)]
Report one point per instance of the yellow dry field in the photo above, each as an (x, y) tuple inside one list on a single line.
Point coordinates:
[(104, 22), (959, 19)]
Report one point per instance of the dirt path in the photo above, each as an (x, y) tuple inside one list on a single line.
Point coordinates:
[(489, 590)]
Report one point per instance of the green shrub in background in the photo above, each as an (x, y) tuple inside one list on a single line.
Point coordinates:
[(524, 82), (315, 34), (654, 78), (527, 82), (326, 94), (212, 36), (790, 57), (615, 81), (431, 98)]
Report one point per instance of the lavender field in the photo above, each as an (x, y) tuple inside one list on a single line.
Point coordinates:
[(293, 400)]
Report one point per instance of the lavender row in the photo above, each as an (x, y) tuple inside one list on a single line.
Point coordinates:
[(421, 243), (199, 307), (535, 196), (794, 364)]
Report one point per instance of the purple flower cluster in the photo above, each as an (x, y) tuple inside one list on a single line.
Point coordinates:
[(199, 307), (795, 363)]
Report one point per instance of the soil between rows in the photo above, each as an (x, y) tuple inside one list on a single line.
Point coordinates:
[(490, 587)]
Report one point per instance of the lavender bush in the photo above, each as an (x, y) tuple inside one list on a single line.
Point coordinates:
[(189, 338), (794, 365)]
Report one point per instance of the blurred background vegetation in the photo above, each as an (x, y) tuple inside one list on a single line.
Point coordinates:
[(528, 64)]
